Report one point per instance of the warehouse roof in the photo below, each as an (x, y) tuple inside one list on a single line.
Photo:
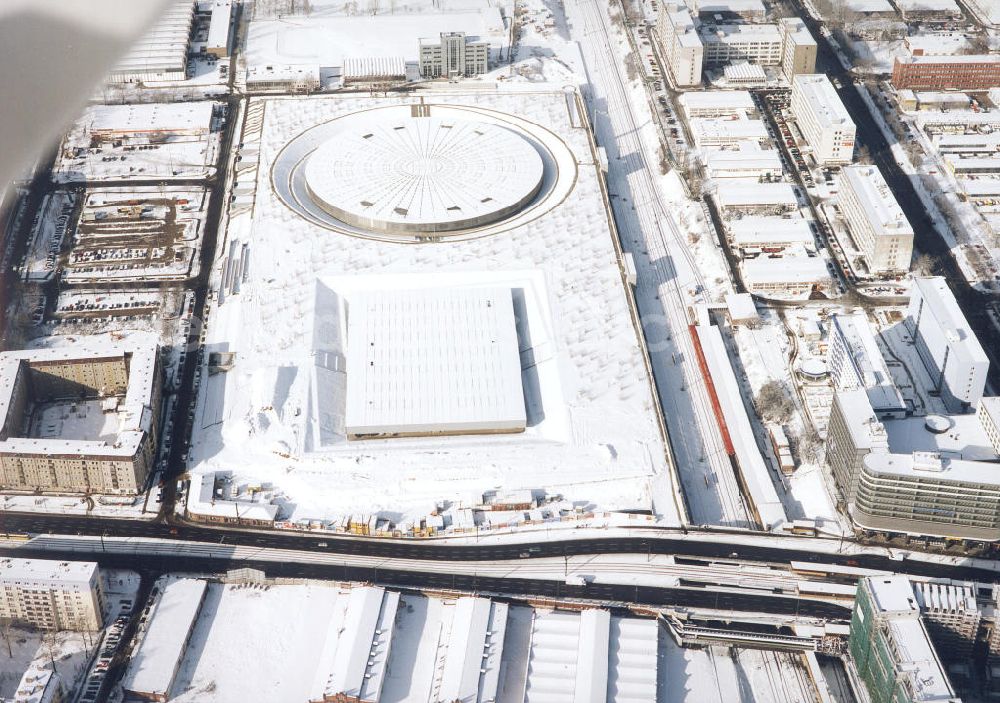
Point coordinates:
[(218, 28), (464, 377), (150, 117), (363, 647), (741, 195), (756, 160), (785, 269), (154, 664), (164, 47), (709, 129), (754, 231), (737, 100), (475, 646)]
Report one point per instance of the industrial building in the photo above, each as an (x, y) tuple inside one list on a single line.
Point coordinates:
[(161, 54), (392, 393), (718, 103), (163, 639), (756, 198), (877, 224), (962, 72), (453, 55), (822, 119), (148, 122), (948, 347), (798, 47), (757, 43), (891, 648), (680, 43), (79, 420), (291, 78), (379, 71), (770, 235), (52, 595), (784, 275), (217, 42), (856, 362), (754, 164)]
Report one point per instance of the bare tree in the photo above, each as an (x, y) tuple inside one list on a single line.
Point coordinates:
[(773, 403)]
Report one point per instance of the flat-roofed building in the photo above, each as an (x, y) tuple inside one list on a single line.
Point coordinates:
[(771, 234), (374, 71), (823, 119), (164, 639), (963, 72), (219, 27), (853, 432), (718, 103), (743, 74), (79, 419), (948, 347), (680, 43), (926, 494), (856, 362), (721, 131), (757, 43), (394, 392), (755, 164), (752, 10), (876, 221), (296, 78), (160, 55), (784, 275), (52, 595), (758, 198), (891, 648), (148, 121), (929, 9), (951, 615), (798, 47), (453, 55)]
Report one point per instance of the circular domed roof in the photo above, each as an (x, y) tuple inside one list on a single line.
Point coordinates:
[(938, 424), (424, 174), (813, 367)]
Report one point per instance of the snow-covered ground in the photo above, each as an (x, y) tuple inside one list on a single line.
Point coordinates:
[(19, 648), (274, 418)]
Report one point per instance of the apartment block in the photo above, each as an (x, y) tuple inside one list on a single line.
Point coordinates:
[(951, 616), (823, 119), (876, 221), (680, 44), (948, 347), (51, 595)]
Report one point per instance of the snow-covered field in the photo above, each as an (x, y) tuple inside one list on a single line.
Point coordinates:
[(277, 417)]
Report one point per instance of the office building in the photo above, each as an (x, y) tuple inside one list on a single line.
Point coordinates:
[(798, 48), (680, 43), (853, 432), (52, 595), (453, 55), (989, 416), (856, 362), (962, 72), (951, 616), (891, 648), (79, 420), (948, 347), (877, 224), (822, 119), (756, 43)]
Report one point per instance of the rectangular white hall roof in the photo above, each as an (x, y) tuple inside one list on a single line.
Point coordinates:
[(472, 666), (436, 361)]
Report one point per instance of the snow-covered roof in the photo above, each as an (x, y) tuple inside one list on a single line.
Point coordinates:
[(862, 351), (218, 28), (150, 117), (374, 67), (744, 71), (916, 659), (283, 72), (869, 5), (154, 664), (929, 467), (937, 44), (203, 501), (893, 595), (592, 656), (877, 201), (755, 161), (962, 58), (785, 269), (957, 162), (164, 47), (754, 231), (39, 684), (826, 105), (755, 7), (940, 303), (716, 100), (964, 437), (795, 28), (927, 5), (741, 306), (763, 194), (64, 575), (134, 413), (433, 361), (953, 597), (475, 646), (709, 130), (424, 174), (754, 470), (363, 646), (740, 33)]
